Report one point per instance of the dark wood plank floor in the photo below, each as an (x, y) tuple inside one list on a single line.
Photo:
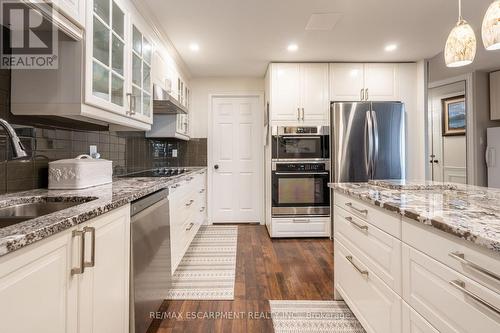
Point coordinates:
[(284, 269)]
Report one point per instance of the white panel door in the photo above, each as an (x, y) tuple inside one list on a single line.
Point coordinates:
[(285, 92), (104, 286), (314, 87), (346, 82), (237, 177), (381, 82)]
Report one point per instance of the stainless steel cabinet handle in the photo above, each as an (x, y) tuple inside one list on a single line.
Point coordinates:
[(303, 113), (189, 203), (359, 226), (81, 268), (362, 94), (461, 258), (301, 220), (190, 226), (202, 209), (202, 190), (360, 211), (367, 96), (90, 263), (189, 179), (362, 272), (298, 113), (460, 285), (131, 102)]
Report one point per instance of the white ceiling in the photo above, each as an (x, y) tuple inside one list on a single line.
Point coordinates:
[(240, 37)]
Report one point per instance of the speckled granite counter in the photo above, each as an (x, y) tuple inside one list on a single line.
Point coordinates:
[(469, 212), (107, 198)]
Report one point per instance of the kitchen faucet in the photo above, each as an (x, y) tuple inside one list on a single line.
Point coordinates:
[(18, 148)]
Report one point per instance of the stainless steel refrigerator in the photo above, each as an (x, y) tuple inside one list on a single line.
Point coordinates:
[(368, 141)]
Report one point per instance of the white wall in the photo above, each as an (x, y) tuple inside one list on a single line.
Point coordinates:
[(202, 88)]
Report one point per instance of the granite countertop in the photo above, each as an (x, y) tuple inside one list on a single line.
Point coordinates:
[(106, 198), (468, 212)]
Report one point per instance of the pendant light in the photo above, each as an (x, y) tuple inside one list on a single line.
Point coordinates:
[(460, 47), (491, 27)]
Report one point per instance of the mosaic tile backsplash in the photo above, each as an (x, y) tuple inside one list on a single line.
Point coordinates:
[(52, 138)]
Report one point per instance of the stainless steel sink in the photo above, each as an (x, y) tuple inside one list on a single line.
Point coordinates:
[(26, 211)]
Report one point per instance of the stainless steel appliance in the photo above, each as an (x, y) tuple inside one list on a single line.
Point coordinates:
[(300, 143), (300, 189), (150, 276), (368, 141)]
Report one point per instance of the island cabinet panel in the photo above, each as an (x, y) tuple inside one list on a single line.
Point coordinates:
[(450, 301), (56, 285), (376, 306), (415, 323)]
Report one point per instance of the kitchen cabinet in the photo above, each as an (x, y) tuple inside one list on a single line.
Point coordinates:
[(72, 9), (72, 288), (360, 82), (187, 213), (299, 227), (299, 92), (495, 95), (398, 275)]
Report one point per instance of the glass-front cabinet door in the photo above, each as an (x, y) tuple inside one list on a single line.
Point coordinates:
[(106, 56), (141, 85)]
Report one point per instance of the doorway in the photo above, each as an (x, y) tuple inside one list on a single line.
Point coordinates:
[(235, 163)]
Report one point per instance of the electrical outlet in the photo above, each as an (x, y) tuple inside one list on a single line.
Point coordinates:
[(174, 152)]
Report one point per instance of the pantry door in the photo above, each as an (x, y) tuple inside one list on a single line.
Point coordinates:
[(236, 154)]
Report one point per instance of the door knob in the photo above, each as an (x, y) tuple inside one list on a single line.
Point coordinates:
[(216, 166)]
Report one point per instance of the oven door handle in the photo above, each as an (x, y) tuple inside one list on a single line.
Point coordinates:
[(301, 173), (300, 137)]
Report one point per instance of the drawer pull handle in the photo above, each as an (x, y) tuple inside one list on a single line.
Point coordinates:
[(202, 209), (91, 263), (202, 190), (461, 258), (190, 226), (189, 179), (362, 272), (301, 220), (189, 203), (81, 268), (359, 226), (361, 211), (460, 285)]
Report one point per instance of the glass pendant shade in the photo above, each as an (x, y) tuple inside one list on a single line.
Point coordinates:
[(491, 27), (460, 47)]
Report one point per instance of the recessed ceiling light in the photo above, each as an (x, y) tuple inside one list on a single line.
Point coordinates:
[(194, 47), (293, 47), (391, 47)]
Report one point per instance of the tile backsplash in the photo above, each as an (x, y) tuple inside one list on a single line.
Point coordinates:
[(52, 138)]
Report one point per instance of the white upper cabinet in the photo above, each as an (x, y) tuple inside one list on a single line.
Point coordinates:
[(73, 10), (314, 92), (285, 92), (346, 82), (299, 92), (381, 82), (495, 95), (106, 63), (364, 82)]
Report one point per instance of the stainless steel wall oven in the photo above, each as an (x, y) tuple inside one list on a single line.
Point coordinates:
[(300, 189)]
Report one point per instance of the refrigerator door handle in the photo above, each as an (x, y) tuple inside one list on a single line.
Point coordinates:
[(369, 149), (375, 142)]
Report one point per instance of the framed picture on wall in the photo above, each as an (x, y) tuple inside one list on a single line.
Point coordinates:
[(454, 117)]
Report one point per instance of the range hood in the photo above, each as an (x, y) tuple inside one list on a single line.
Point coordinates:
[(164, 103)]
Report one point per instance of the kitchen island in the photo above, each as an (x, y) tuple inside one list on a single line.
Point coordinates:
[(418, 256)]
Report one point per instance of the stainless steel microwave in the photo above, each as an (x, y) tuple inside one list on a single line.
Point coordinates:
[(300, 143)]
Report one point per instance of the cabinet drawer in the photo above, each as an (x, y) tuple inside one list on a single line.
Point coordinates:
[(439, 294), (473, 262), (301, 227), (415, 323), (377, 250), (375, 305), (381, 218)]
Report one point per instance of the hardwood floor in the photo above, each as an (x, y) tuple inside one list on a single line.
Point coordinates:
[(284, 269)]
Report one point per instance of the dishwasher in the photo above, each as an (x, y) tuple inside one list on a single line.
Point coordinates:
[(150, 266)]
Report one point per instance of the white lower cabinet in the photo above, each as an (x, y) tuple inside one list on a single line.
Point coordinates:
[(415, 323), (440, 295), (376, 306), (41, 289), (300, 227), (187, 213)]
